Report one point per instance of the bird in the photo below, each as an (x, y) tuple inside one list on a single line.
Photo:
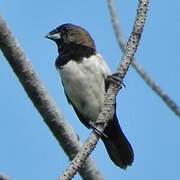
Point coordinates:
[(83, 74)]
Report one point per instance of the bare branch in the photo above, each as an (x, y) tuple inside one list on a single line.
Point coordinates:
[(4, 177), (122, 44), (63, 132), (157, 89), (107, 109)]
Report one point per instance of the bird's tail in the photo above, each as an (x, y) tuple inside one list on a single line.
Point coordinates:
[(117, 145)]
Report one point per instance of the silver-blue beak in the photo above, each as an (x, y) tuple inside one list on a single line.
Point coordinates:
[(53, 35)]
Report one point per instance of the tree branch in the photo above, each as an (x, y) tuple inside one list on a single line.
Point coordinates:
[(62, 131), (108, 107), (4, 177), (139, 69)]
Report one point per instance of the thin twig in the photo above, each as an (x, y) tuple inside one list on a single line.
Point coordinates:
[(63, 132), (122, 44), (157, 89), (107, 109)]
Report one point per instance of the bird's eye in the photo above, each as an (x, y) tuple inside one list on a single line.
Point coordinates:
[(64, 33), (66, 28)]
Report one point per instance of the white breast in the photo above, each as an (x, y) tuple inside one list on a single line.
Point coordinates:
[(84, 84)]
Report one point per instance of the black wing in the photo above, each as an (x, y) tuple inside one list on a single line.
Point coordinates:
[(80, 116)]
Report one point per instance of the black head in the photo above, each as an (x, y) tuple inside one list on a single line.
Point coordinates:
[(73, 42), (69, 33)]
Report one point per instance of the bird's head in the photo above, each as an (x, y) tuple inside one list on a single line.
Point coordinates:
[(69, 34)]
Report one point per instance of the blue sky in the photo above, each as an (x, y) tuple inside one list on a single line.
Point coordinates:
[(28, 149)]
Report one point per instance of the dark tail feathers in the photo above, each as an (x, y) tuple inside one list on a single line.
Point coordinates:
[(117, 145)]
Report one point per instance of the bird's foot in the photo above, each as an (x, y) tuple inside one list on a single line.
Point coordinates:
[(97, 130), (115, 79)]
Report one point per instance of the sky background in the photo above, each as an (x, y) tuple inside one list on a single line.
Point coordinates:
[(28, 149)]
